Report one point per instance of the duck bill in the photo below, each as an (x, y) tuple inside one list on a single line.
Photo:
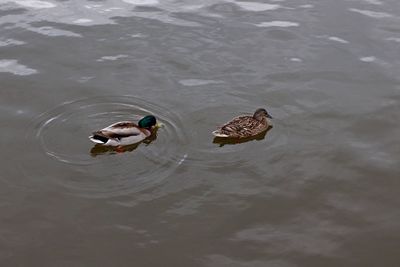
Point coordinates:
[(159, 125), (269, 116)]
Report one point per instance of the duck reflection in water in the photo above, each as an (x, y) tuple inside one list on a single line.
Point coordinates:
[(99, 149), (233, 141)]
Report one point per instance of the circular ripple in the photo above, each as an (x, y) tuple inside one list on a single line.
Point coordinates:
[(71, 160)]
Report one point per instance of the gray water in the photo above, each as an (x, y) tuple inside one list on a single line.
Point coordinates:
[(321, 189)]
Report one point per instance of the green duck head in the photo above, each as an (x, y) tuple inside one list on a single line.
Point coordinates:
[(147, 122)]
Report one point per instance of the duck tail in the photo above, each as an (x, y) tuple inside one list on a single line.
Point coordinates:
[(98, 138), (218, 133)]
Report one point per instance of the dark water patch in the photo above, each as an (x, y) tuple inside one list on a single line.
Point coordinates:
[(282, 35), (12, 11)]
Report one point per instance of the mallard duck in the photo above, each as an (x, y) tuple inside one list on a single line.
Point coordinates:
[(245, 126), (125, 133)]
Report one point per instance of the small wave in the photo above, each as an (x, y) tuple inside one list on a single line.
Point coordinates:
[(368, 59), (373, 2), (296, 59), (111, 58), (142, 2), (278, 23), (82, 21), (50, 31), (337, 39), (8, 42), (34, 3), (198, 82), (394, 39), (12, 66), (254, 6), (372, 14)]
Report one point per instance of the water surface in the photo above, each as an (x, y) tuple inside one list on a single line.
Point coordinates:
[(321, 189)]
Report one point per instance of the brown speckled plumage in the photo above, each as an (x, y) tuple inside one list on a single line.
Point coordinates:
[(244, 126)]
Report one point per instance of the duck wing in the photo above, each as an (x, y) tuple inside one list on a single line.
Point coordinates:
[(115, 131), (103, 136), (122, 129), (241, 127)]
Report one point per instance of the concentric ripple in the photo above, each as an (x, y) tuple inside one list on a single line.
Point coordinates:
[(69, 158)]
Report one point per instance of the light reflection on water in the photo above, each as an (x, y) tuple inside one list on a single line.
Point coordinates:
[(319, 189)]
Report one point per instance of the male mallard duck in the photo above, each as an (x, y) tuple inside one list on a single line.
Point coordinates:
[(245, 126), (125, 132)]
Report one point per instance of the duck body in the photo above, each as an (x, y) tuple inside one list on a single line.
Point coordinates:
[(124, 133), (244, 126)]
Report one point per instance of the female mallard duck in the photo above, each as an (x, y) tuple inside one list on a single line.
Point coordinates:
[(125, 132), (245, 126)]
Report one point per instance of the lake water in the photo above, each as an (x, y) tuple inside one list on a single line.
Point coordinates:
[(321, 189)]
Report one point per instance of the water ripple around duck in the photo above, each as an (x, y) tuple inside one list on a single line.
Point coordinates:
[(62, 135)]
